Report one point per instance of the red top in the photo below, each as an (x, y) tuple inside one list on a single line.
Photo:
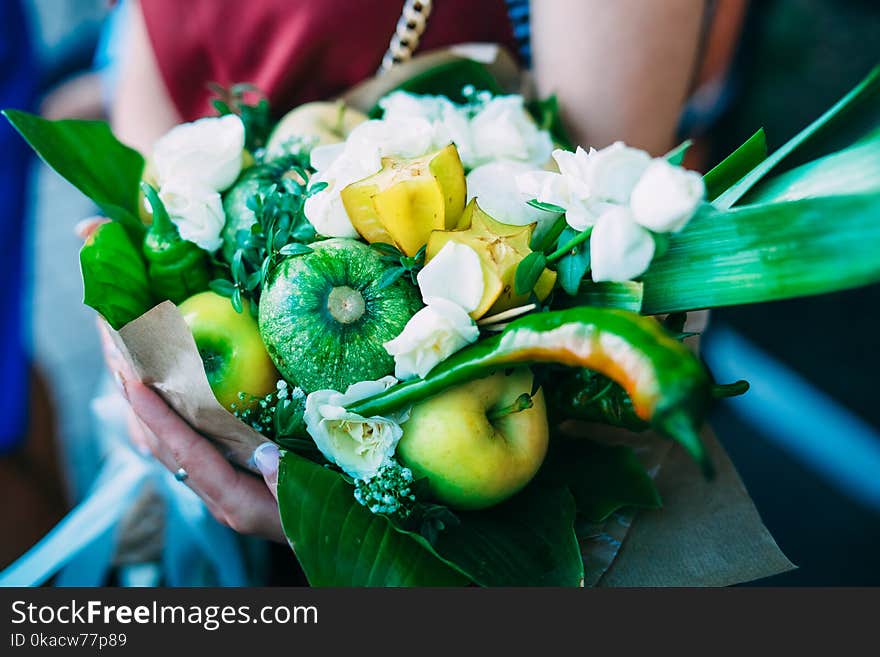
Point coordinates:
[(295, 50)]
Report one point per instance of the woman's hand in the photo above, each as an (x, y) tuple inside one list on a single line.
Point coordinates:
[(234, 497)]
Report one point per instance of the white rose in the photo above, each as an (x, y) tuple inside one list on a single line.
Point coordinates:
[(503, 130), (323, 156), (495, 187), (453, 274), (666, 197), (449, 122), (208, 150), (613, 172), (402, 104), (400, 137), (197, 211), (358, 445), (620, 249), (432, 335)]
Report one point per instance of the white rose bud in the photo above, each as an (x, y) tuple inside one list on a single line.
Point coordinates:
[(432, 335), (208, 150), (197, 211), (666, 197), (358, 445), (454, 274), (620, 249)]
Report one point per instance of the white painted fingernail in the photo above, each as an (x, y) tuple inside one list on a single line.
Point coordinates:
[(266, 459)]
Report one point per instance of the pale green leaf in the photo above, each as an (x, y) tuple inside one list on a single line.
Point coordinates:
[(767, 252)]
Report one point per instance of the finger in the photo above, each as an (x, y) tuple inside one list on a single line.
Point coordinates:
[(116, 363), (140, 436), (236, 498), (86, 227), (266, 458)]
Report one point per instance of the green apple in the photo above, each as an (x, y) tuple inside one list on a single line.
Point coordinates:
[(231, 349), (473, 444), (330, 122)]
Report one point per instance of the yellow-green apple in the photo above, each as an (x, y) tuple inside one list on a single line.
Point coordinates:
[(475, 443), (231, 349), (330, 122)]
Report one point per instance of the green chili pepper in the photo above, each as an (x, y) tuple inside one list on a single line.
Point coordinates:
[(178, 268), (668, 385)]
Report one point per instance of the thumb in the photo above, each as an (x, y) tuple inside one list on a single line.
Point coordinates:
[(266, 459)]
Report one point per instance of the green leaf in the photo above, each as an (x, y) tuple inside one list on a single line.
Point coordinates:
[(528, 271), (114, 275), (767, 252), (863, 100), (548, 241), (528, 540), (572, 267), (390, 276), (854, 170), (602, 478), (627, 295), (222, 287), (88, 155), (546, 207), (736, 165), (236, 300), (340, 543), (294, 249), (676, 155)]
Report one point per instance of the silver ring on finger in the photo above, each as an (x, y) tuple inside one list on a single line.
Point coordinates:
[(181, 475)]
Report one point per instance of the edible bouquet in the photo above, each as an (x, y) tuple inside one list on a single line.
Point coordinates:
[(437, 306)]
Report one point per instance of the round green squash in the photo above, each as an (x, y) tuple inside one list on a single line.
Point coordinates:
[(324, 318), (257, 178)]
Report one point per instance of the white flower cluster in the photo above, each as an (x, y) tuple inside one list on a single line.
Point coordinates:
[(194, 162), (625, 196), (495, 130), (498, 128)]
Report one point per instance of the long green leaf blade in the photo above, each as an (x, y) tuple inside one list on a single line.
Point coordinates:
[(865, 97), (88, 156), (736, 165), (854, 170), (767, 252)]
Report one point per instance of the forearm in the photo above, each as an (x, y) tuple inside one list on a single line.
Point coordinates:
[(142, 110), (621, 69)]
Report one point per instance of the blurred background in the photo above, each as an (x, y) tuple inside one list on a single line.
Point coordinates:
[(806, 439)]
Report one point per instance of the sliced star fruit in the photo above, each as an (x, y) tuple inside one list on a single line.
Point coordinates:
[(500, 247), (408, 199)]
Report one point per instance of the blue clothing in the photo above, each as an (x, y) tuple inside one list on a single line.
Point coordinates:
[(17, 87)]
